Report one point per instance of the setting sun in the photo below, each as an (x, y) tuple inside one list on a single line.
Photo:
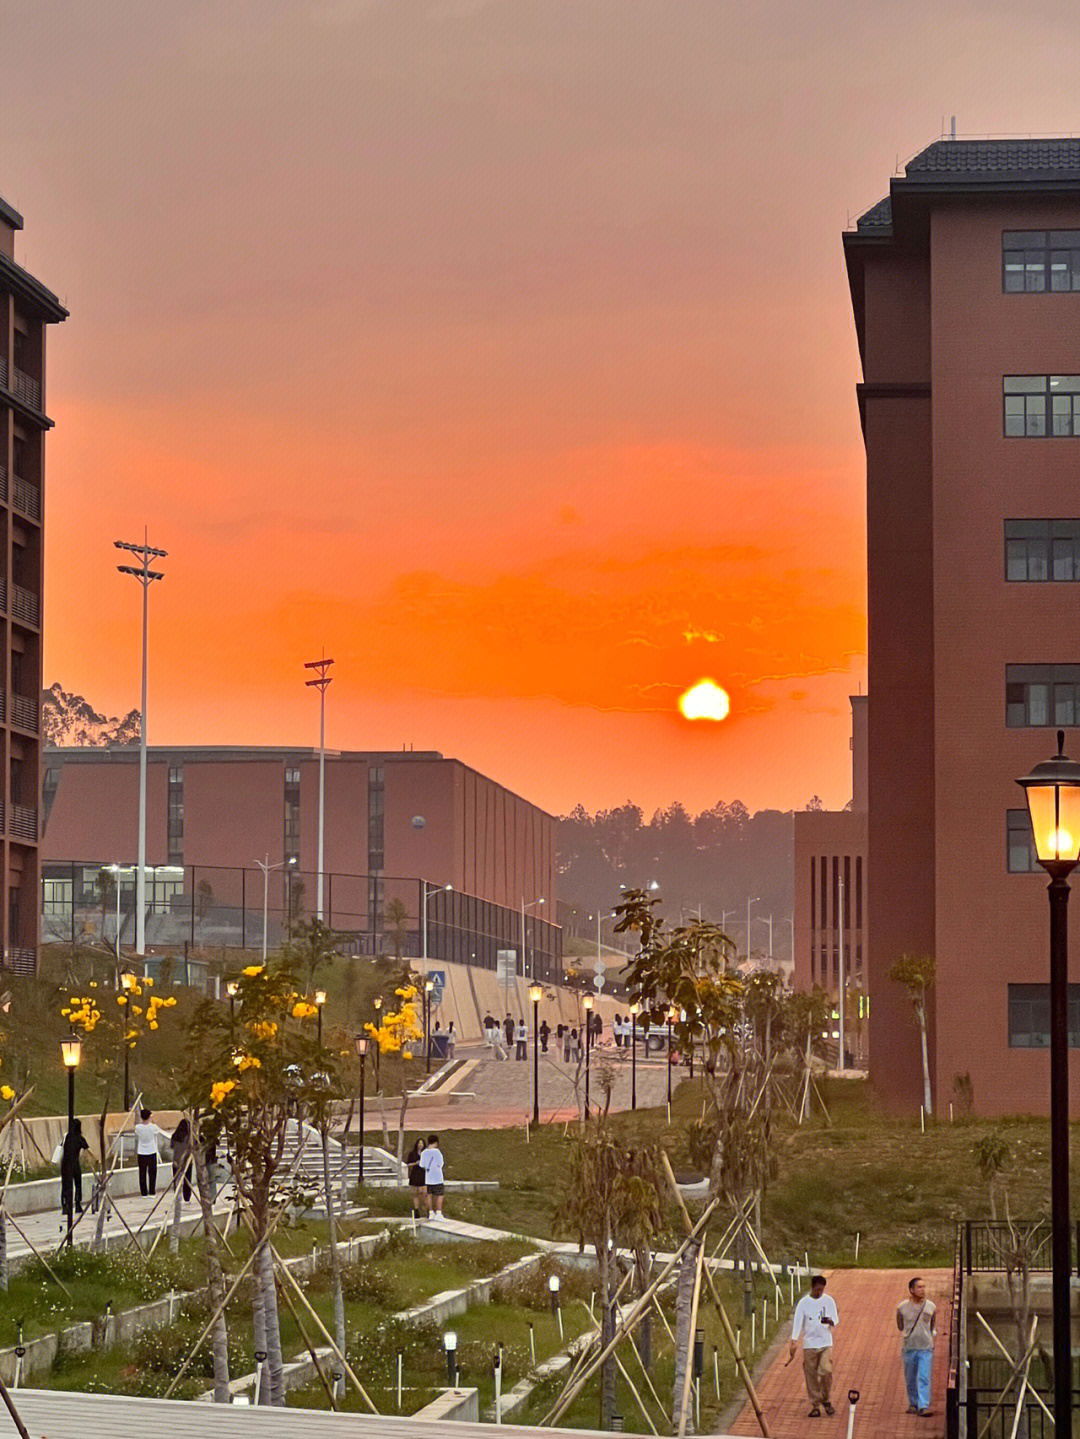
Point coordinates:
[(705, 700)]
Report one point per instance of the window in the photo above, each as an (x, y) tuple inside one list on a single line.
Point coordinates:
[(175, 835), (292, 814), (292, 776), (1041, 405), (1029, 1016), (1034, 261), (1040, 550), (1020, 846), (1037, 695)]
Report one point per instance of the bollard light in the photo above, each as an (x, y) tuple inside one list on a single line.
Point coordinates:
[(449, 1340), (554, 1285)]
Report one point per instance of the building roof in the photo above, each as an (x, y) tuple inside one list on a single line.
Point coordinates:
[(32, 293), (223, 754), (10, 215)]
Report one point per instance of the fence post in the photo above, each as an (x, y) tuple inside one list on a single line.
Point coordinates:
[(967, 1228), (243, 907), (193, 906)]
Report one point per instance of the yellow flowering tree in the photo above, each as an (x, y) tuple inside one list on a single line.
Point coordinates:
[(396, 1034)]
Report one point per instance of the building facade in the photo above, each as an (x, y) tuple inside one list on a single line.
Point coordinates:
[(965, 285), (831, 875), (396, 824), (26, 309)]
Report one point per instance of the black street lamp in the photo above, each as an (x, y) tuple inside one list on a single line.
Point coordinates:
[(71, 1053), (634, 1008), (429, 985), (535, 993), (671, 1017), (587, 1002), (361, 1041), (127, 983), (1052, 790), (320, 1000), (376, 1005)]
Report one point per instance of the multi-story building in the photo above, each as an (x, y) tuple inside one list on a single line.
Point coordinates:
[(26, 308), (965, 284), (830, 893), (396, 824)]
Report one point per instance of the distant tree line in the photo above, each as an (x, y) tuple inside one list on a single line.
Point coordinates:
[(712, 862)]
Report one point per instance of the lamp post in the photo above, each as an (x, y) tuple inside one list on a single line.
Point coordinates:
[(146, 577), (429, 985), (231, 986), (587, 1003), (127, 983), (320, 684), (361, 1041), (427, 890), (376, 1005), (634, 1011), (1052, 790), (672, 1015), (524, 952), (320, 1000), (535, 994), (266, 867), (71, 1053), (449, 1340)]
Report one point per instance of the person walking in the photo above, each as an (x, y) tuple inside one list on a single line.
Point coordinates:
[(616, 1029), (180, 1142), (147, 1138), (567, 1044), (489, 1025), (522, 1041), (815, 1319), (451, 1040), (417, 1178), (71, 1170), (545, 1034), (916, 1319), (508, 1030), (432, 1163)]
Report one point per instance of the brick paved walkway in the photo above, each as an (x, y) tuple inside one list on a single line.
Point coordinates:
[(866, 1357)]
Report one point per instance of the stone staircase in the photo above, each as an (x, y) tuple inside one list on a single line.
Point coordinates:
[(303, 1146)]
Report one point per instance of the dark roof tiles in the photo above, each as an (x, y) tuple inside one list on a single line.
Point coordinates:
[(878, 217), (997, 158)]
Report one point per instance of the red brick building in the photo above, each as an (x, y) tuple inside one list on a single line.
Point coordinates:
[(393, 820), (965, 285), (26, 308)]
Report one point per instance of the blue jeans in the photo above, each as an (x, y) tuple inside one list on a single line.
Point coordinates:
[(918, 1366)]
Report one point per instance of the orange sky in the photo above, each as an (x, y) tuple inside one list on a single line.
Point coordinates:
[(502, 348)]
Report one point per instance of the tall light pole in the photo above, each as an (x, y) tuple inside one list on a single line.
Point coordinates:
[(1052, 790), (146, 577), (429, 985), (587, 1003), (427, 890), (843, 974), (266, 867), (361, 1042), (535, 994), (634, 1010), (324, 679), (749, 902), (526, 973), (71, 1053)]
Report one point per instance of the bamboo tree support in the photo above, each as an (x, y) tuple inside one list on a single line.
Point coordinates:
[(308, 1345), (1017, 1366), (15, 1418), (629, 1382), (721, 1312), (663, 1319), (637, 1312), (688, 1373), (646, 1376), (1012, 1362), (38, 1254), (241, 1276), (107, 1174), (349, 1372)]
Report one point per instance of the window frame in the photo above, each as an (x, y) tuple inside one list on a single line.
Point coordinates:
[(1044, 389), (1039, 249)]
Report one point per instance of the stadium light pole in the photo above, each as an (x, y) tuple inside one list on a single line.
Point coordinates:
[(324, 679), (1052, 791), (266, 867), (146, 577), (526, 973), (427, 891)]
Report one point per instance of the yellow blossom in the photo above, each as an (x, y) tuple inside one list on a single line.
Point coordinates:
[(263, 1028), (121, 999), (302, 1010), (252, 970), (6, 1092), (220, 1091), (153, 1024)]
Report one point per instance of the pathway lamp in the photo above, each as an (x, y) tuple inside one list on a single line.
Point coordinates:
[(429, 985), (554, 1285), (1052, 790), (672, 1016), (127, 983), (361, 1041), (449, 1340), (71, 1053), (536, 992), (231, 987), (376, 1005), (320, 1000), (587, 1002), (635, 1009)]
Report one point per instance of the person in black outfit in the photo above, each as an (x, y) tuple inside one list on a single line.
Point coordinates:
[(545, 1034), (417, 1178), (508, 1030), (71, 1170), (181, 1156)]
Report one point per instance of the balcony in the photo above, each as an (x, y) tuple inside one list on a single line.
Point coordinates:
[(25, 497), (24, 712), (23, 822), (25, 605), (3, 485), (22, 385)]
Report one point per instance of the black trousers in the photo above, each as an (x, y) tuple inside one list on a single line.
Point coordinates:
[(522, 1049), (71, 1188), (147, 1173)]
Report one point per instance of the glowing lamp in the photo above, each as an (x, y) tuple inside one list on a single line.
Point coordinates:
[(587, 1002), (449, 1340), (635, 1009), (361, 1041), (127, 979), (231, 987), (71, 1051), (376, 1003), (320, 997), (1052, 790), (536, 993), (554, 1284)]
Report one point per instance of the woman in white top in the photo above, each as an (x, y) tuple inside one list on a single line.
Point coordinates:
[(521, 1038)]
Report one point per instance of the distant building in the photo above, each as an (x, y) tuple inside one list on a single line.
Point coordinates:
[(830, 874), (26, 308), (965, 286), (395, 822)]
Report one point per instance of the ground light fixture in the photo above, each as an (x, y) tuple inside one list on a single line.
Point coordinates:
[(449, 1340), (1052, 791), (361, 1042), (536, 993), (554, 1285)]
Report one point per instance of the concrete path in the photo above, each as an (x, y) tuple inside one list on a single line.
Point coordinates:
[(47, 1228), (866, 1357)]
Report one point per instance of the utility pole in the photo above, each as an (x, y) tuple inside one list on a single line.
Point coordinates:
[(324, 679), (146, 577), (843, 977)]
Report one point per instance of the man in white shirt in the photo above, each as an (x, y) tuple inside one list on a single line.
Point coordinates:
[(815, 1319), (431, 1162), (147, 1138)]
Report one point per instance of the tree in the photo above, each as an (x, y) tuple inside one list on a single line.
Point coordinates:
[(917, 973), (396, 1034), (311, 946), (396, 917), (807, 1015), (204, 899), (611, 1200)]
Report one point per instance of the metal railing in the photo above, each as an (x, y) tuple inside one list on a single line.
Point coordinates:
[(24, 712), (23, 822), (955, 1385), (25, 605), (25, 387), (3, 484), (988, 1243), (26, 496)]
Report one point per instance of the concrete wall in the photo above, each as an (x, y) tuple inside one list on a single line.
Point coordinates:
[(471, 993)]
